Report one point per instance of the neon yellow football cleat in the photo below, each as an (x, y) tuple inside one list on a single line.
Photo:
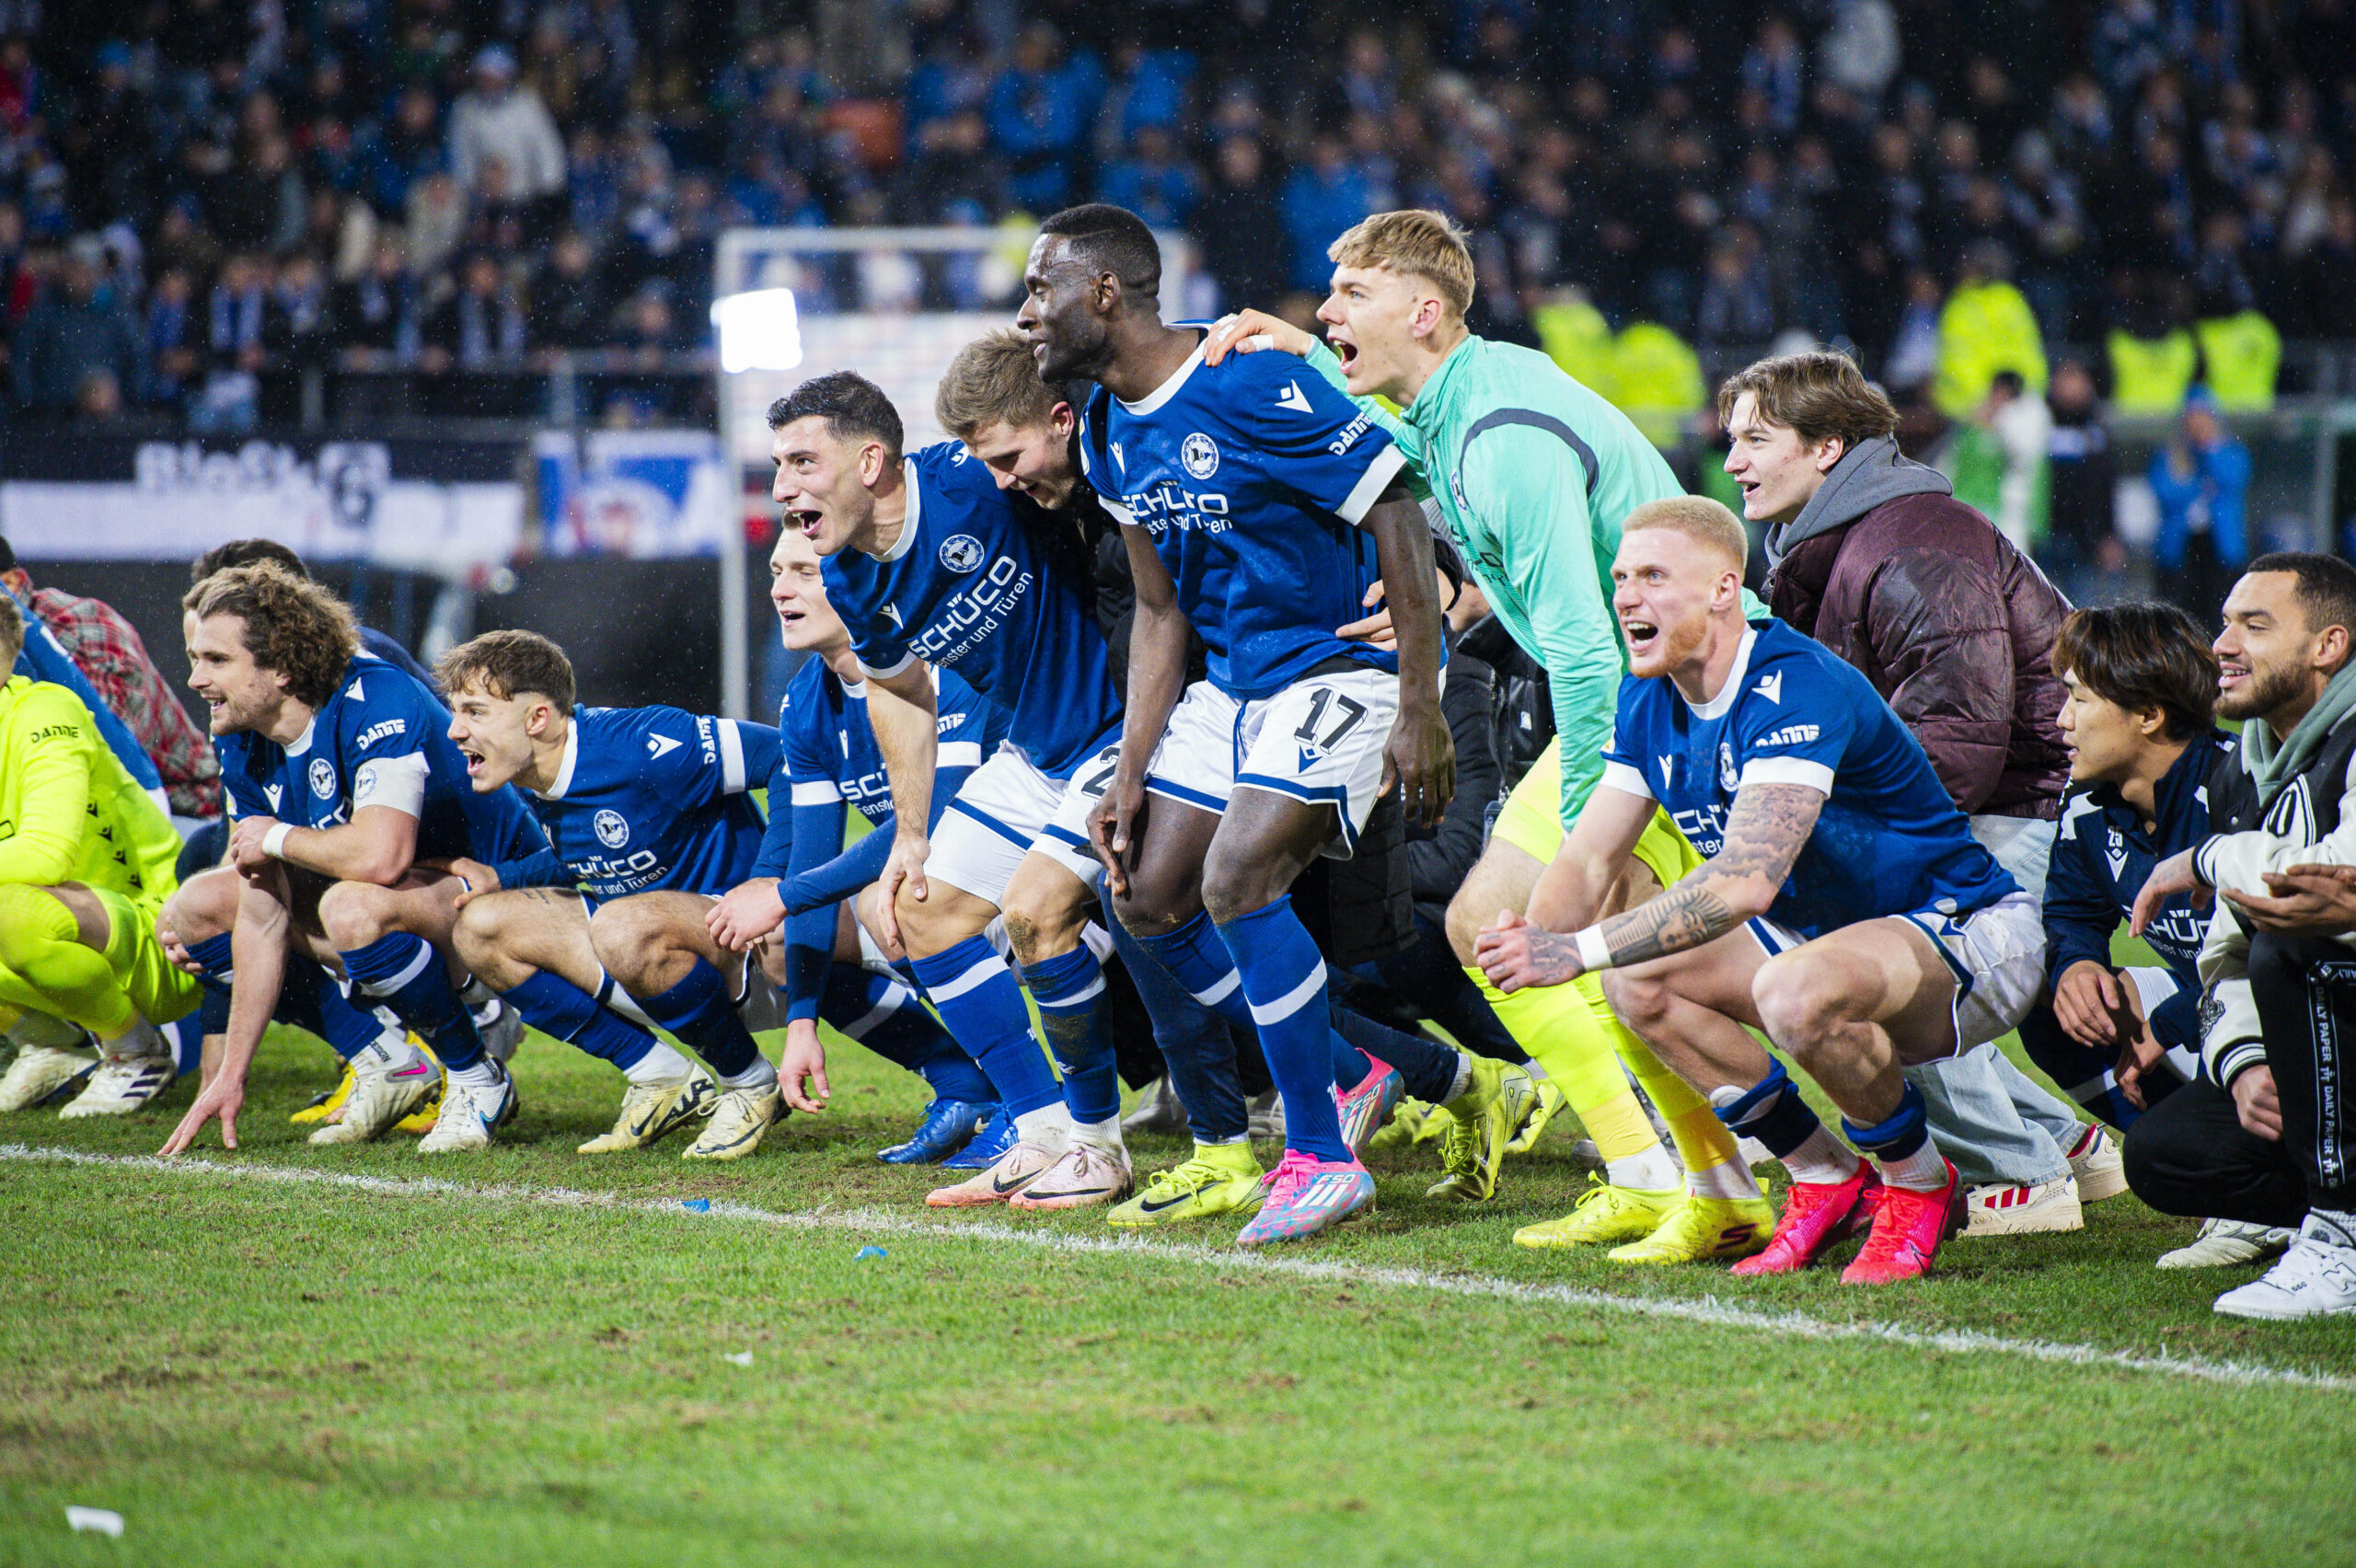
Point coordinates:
[(328, 1103), (1605, 1215), (1550, 1100), (1701, 1228), (1217, 1178), (1481, 1121)]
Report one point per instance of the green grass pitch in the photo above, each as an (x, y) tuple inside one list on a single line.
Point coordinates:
[(301, 1372)]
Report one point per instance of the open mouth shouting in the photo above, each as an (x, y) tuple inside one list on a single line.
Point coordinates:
[(1643, 636)]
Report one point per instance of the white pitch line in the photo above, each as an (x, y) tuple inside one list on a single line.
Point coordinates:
[(1707, 1311)]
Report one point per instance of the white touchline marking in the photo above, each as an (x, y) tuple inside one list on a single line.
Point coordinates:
[(1707, 1311)]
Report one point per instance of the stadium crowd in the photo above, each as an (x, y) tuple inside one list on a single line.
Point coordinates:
[(194, 191), (1459, 713)]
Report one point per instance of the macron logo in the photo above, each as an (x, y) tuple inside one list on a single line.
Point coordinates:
[(1291, 398), (893, 611), (271, 791), (1668, 766), (661, 745), (1771, 688), (1119, 456)]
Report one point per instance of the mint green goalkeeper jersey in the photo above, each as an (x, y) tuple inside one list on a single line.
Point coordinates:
[(1533, 473)]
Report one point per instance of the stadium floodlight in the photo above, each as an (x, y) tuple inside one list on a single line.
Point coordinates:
[(894, 305), (759, 329)]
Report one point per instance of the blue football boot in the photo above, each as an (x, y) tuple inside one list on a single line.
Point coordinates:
[(947, 1126), (988, 1147)]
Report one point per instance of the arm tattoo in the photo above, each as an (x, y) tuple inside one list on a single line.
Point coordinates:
[(1685, 917), (1764, 835)]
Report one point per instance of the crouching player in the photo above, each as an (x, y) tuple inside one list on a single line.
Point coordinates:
[(1844, 908), (85, 863), (828, 762), (346, 791), (631, 799)]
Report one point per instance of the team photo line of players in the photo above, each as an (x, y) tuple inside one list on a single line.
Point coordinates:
[(1734, 837)]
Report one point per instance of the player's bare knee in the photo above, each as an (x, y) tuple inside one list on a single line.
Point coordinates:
[(205, 906), (1037, 932), (480, 936), (932, 925), (630, 938), (352, 915), (1235, 884), (1639, 1000), (1798, 1003)]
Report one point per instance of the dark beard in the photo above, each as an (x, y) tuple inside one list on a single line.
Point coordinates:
[(2265, 691)]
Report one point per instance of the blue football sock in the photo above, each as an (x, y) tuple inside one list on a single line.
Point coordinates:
[(310, 998), (1900, 1136), (557, 1007), (409, 976), (700, 1012), (212, 952), (1069, 988), (1772, 1111), (1198, 1047), (885, 1016), (1284, 980), (1195, 957), (978, 999)]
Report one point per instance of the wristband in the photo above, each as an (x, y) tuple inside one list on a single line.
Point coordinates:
[(273, 843), (1595, 953)]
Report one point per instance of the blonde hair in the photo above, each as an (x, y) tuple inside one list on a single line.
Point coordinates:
[(1416, 242), (1700, 519), (993, 380)]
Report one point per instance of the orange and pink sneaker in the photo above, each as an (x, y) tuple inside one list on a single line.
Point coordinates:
[(1817, 1216), (1306, 1195), (1908, 1228)]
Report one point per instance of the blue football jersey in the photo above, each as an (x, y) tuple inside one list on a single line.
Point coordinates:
[(382, 740), (652, 798), (1890, 840), (969, 587), (830, 751), (1252, 477)]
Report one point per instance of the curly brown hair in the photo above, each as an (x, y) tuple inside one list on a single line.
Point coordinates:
[(292, 625)]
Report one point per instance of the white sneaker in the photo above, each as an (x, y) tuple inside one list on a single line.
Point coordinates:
[(41, 1071), (2222, 1243), (2098, 1168), (2018, 1210), (1157, 1110), (2317, 1278), (1267, 1118), (381, 1095), (739, 1122), (470, 1116), (125, 1079), (1084, 1175), (651, 1110)]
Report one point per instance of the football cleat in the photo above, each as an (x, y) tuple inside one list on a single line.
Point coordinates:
[(470, 1116), (501, 1027), (1407, 1126), (739, 1122), (2022, 1209), (1363, 1110), (1157, 1110), (1604, 1215), (1015, 1169), (2096, 1165), (381, 1096), (2317, 1278), (42, 1073), (1908, 1226), (651, 1110), (1701, 1228), (2222, 1243), (1219, 1179), (1817, 1216), (948, 1126), (1084, 1175), (1304, 1197), (124, 1082), (1481, 1122), (328, 1103), (989, 1145), (1549, 1100)]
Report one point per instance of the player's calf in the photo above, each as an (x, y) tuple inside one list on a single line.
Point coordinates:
[(393, 943)]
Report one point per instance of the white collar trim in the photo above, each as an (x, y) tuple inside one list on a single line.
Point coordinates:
[(907, 539), (1168, 389), (1717, 706), (564, 769)]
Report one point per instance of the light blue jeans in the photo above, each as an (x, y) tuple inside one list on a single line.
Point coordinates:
[(1994, 1122)]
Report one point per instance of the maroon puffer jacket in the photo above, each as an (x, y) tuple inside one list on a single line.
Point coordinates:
[(1955, 628)]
